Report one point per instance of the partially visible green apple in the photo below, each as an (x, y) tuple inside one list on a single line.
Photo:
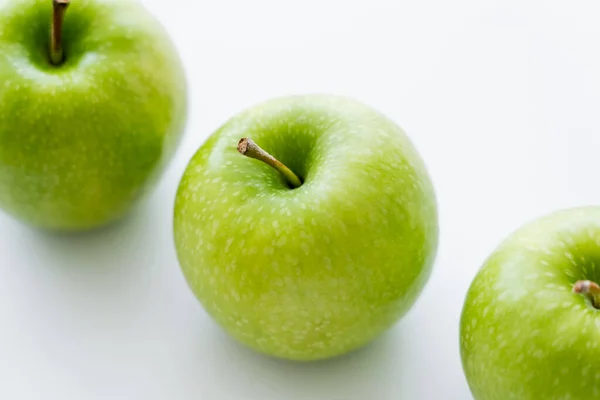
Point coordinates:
[(90, 110), (530, 327), (317, 270)]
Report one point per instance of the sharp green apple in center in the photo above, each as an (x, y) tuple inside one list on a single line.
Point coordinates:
[(530, 326), (92, 105), (318, 240)]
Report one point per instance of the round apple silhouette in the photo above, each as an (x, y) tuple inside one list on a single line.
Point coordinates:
[(93, 104), (318, 240), (531, 318)]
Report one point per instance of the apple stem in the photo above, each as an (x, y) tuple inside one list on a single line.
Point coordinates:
[(247, 147), (59, 7), (589, 289)]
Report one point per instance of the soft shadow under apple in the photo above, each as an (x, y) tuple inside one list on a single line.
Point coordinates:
[(362, 374)]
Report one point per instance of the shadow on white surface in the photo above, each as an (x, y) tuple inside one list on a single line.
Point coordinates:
[(86, 278), (358, 375), (122, 231)]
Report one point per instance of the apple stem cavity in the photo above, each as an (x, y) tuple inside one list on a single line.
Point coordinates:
[(247, 147), (59, 8), (589, 289)]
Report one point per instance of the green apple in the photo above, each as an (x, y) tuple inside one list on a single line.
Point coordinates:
[(91, 109), (530, 327), (320, 248)]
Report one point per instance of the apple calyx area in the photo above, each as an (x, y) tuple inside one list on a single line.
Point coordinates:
[(247, 147), (589, 289), (59, 8)]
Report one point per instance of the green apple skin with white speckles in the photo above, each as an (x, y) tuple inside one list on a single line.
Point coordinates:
[(524, 334), (82, 142), (312, 272)]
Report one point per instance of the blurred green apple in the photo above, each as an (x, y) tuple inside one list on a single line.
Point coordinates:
[(530, 326), (321, 257), (91, 109)]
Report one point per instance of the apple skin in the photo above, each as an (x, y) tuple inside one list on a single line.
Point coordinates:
[(312, 272), (523, 333), (82, 142)]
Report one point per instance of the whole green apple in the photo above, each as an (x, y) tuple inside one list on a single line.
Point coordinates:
[(320, 248), (92, 105), (530, 326)]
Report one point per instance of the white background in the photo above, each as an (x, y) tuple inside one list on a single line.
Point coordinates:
[(502, 99)]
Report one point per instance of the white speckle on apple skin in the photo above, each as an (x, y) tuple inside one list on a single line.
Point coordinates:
[(324, 268), (534, 338)]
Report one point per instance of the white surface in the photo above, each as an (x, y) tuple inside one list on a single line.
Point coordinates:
[(502, 99)]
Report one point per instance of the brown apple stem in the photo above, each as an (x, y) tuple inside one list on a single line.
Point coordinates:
[(589, 289), (250, 149), (59, 7)]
